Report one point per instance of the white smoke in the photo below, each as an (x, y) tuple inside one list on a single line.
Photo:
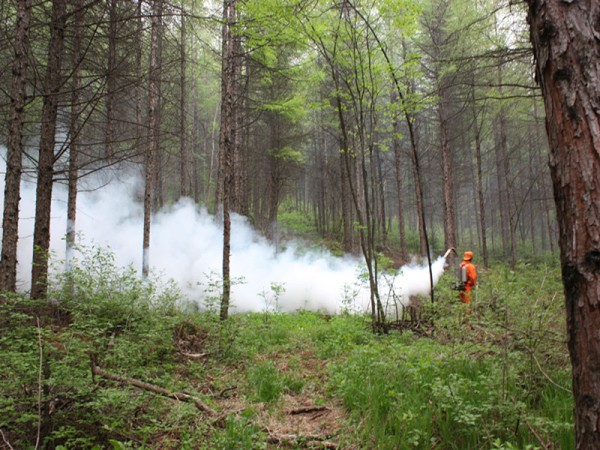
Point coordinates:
[(186, 246)]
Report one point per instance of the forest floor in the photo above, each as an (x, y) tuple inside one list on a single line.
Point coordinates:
[(306, 416), (165, 379)]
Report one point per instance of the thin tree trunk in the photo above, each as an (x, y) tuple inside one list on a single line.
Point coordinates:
[(152, 147), (381, 191), (52, 84), (345, 175), (239, 188), (565, 41), (480, 192), (74, 132), (111, 77), (501, 186), (14, 163), (160, 190), (185, 160), (449, 214), (139, 39), (399, 192), (227, 142), (503, 166), (545, 189), (509, 191)]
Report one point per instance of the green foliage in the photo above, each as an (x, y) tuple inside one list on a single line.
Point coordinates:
[(98, 313), (239, 433), (266, 382), (497, 379)]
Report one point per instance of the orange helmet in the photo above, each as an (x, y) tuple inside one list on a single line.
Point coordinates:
[(468, 256)]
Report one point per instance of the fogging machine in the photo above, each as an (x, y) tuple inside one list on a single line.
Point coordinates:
[(461, 284)]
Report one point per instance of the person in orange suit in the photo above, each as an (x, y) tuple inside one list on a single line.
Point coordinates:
[(468, 277)]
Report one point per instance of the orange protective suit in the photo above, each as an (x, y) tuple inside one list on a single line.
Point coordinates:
[(471, 277)]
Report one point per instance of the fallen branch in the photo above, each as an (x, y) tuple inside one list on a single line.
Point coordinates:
[(195, 355), (532, 353), (181, 396), (224, 391), (302, 441), (537, 436), (307, 410)]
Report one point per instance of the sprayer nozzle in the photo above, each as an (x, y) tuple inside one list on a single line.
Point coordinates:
[(451, 249)]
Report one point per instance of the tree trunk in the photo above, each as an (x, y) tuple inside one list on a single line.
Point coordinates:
[(227, 142), (14, 164), (74, 133), (111, 77), (139, 41), (480, 192), (449, 214), (398, 169), (185, 159), (239, 196), (152, 147), (380, 191), (505, 187), (52, 83), (565, 40)]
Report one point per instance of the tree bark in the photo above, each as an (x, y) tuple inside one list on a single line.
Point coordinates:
[(111, 77), (14, 164), (185, 159), (227, 142), (74, 134), (480, 192), (446, 151), (139, 40), (565, 40), (52, 84), (398, 169), (152, 148)]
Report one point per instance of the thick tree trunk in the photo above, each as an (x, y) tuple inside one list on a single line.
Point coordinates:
[(565, 41), (52, 83), (14, 164)]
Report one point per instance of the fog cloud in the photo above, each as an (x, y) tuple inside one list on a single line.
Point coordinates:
[(186, 245)]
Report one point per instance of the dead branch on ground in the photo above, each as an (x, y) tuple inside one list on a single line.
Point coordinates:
[(181, 396), (302, 441), (307, 410)]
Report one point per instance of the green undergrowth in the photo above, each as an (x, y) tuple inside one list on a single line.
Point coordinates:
[(497, 378)]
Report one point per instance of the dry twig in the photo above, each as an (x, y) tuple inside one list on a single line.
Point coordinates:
[(195, 355), (6, 441), (537, 436)]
